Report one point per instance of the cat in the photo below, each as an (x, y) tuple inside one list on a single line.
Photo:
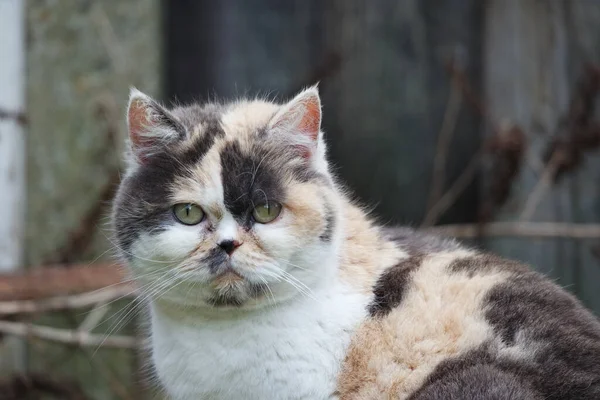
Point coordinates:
[(265, 280)]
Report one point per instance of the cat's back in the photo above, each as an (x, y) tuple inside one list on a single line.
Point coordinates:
[(452, 323)]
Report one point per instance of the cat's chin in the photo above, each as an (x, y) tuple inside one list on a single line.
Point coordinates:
[(210, 300), (231, 289)]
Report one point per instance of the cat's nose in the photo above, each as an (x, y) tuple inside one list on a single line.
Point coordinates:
[(229, 245)]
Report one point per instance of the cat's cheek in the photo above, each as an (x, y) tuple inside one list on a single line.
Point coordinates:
[(178, 241), (172, 244), (276, 239)]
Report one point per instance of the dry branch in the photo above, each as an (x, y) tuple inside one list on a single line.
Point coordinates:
[(540, 189), (578, 132), (445, 136), (520, 229), (469, 94), (53, 281), (83, 300), (80, 238), (65, 336), (454, 191), (94, 317)]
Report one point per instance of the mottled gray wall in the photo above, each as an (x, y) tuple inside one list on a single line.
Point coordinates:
[(535, 53), (235, 48), (583, 26), (384, 110), (81, 54)]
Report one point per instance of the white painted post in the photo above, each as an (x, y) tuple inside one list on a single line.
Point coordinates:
[(12, 143), (12, 156)]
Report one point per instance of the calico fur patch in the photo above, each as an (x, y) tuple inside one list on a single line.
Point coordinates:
[(455, 326)]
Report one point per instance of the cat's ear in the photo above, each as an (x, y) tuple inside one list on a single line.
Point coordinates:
[(151, 127), (299, 121)]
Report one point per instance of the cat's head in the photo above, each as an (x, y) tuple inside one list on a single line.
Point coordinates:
[(227, 204)]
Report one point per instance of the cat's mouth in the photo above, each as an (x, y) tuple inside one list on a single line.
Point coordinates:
[(230, 288), (227, 279)]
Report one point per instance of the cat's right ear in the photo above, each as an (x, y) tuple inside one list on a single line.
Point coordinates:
[(151, 127)]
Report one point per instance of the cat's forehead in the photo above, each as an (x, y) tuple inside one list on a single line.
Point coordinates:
[(248, 117), (228, 148), (241, 120)]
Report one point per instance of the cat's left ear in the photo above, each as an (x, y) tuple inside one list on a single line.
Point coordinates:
[(299, 121), (151, 127)]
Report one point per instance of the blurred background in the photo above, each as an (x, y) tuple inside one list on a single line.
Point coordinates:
[(471, 118)]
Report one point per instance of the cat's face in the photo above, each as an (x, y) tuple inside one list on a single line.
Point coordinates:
[(228, 205)]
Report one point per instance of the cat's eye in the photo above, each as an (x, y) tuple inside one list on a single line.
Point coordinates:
[(188, 213), (266, 212)]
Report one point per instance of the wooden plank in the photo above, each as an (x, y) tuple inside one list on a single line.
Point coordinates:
[(227, 50), (50, 281), (584, 48), (384, 110), (529, 64)]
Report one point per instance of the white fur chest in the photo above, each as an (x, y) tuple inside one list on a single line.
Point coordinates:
[(293, 351)]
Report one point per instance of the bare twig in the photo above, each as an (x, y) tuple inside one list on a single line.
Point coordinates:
[(69, 337), (451, 114), (81, 237), (470, 95), (83, 300), (577, 133), (520, 229), (506, 149), (459, 186), (541, 188), (501, 145), (94, 317)]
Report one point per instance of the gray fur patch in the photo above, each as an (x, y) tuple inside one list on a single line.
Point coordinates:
[(249, 179), (209, 115), (561, 340), (391, 286), (330, 223), (141, 204), (485, 264), (475, 376), (417, 243)]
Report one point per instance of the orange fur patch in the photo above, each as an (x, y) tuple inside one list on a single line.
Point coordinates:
[(441, 316), (305, 201), (364, 254)]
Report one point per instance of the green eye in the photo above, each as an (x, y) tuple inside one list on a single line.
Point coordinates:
[(267, 212), (188, 213)]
